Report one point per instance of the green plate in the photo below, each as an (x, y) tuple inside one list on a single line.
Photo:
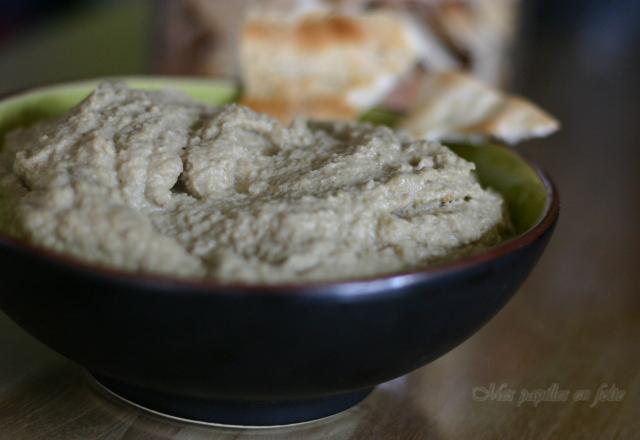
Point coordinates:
[(498, 167)]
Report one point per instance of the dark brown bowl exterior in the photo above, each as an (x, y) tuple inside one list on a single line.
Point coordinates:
[(177, 342)]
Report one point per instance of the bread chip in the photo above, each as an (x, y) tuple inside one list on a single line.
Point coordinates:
[(327, 56), (327, 108), (455, 107)]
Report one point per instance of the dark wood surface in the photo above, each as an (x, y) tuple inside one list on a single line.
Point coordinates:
[(561, 361)]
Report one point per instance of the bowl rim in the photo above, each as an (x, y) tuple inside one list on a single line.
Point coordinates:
[(349, 286)]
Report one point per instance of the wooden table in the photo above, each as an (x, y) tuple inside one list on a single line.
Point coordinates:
[(561, 360)]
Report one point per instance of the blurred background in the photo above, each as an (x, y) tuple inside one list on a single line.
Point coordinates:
[(49, 40), (577, 319)]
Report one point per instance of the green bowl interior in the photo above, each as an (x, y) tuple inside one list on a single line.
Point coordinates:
[(497, 166)]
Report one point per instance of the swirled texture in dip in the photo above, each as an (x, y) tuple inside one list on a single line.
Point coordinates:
[(153, 181)]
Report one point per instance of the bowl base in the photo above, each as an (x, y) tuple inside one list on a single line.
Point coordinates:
[(230, 413)]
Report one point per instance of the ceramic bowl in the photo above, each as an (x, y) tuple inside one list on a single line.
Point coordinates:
[(263, 354)]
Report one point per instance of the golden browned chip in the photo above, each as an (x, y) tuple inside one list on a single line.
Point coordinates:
[(321, 60), (455, 107), (320, 108)]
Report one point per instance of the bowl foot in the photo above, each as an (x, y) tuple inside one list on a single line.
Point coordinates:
[(239, 413)]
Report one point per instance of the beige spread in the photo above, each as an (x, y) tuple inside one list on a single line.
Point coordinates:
[(152, 181)]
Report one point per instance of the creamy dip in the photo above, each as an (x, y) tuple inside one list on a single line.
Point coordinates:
[(153, 181)]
